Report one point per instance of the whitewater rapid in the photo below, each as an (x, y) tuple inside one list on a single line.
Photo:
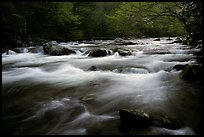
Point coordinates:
[(45, 94)]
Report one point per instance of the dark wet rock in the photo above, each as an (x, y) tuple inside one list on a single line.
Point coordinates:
[(133, 118), (169, 39), (47, 47), (157, 39), (124, 52), (179, 67), (162, 120), (178, 38), (52, 48), (98, 53), (192, 73), (138, 119), (56, 51), (93, 68), (120, 41)]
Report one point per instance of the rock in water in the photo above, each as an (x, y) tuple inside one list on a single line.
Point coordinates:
[(179, 67), (164, 121), (168, 39), (52, 48), (47, 48), (139, 119), (98, 53), (157, 39), (133, 118), (124, 52), (57, 51)]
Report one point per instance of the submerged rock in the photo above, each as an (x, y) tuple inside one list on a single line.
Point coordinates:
[(52, 48), (138, 119)]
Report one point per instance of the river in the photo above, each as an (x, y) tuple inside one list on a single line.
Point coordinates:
[(44, 94)]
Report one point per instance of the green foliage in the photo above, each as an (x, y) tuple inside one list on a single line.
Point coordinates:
[(62, 21), (143, 19)]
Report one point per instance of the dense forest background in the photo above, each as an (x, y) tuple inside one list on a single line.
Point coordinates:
[(30, 23)]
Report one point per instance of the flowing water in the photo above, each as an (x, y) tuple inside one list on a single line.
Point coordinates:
[(44, 94)]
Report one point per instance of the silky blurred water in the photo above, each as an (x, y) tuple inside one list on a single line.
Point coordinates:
[(44, 94)]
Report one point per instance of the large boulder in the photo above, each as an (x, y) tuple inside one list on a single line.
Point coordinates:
[(99, 53), (47, 47), (130, 118), (133, 118), (53, 48), (57, 51)]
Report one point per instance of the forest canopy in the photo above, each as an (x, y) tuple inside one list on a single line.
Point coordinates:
[(30, 22)]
